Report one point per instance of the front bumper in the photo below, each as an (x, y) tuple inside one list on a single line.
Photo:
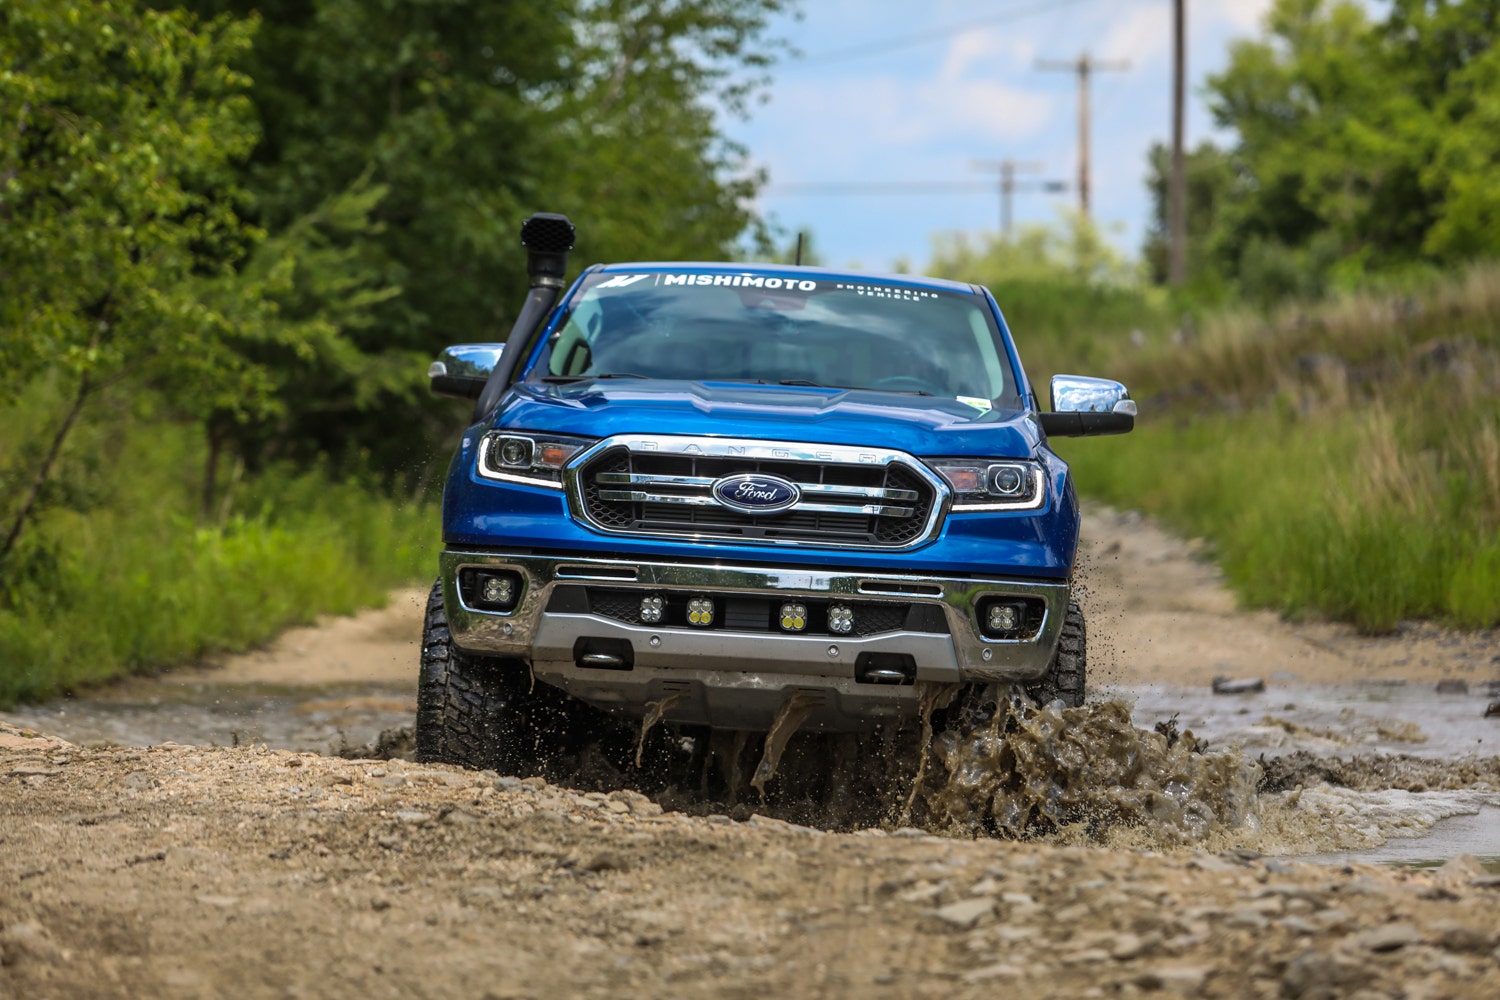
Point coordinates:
[(738, 678)]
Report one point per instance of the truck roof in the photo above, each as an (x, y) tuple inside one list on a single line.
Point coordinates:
[(750, 267)]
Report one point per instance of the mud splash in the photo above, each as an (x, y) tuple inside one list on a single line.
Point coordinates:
[(655, 711), (933, 697), (977, 765), (793, 712), (982, 765), (1038, 771)]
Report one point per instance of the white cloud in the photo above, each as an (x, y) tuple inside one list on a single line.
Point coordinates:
[(1142, 35), (852, 127), (987, 50), (1241, 15)]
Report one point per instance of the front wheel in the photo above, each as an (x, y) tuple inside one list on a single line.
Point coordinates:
[(1066, 676), (471, 710)]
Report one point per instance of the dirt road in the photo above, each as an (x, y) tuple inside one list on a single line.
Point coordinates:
[(182, 871)]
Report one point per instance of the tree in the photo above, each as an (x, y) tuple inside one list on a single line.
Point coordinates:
[(1362, 147), (1453, 47), (120, 134), (470, 115), (1064, 290), (1210, 180)]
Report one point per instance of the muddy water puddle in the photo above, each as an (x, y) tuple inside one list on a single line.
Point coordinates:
[(1333, 720), (320, 718), (1104, 775), (1476, 834)]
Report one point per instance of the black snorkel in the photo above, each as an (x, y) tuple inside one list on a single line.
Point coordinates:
[(547, 238)]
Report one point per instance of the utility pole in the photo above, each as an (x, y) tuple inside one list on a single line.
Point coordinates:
[(1008, 168), (1085, 66), (1177, 190)]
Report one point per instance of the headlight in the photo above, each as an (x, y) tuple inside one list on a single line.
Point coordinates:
[(983, 485), (522, 457)]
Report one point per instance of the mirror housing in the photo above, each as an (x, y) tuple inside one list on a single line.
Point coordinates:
[(461, 371), (1084, 407)]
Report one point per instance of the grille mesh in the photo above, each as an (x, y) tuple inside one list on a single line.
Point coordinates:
[(807, 524)]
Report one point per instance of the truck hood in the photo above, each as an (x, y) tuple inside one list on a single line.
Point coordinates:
[(920, 425)]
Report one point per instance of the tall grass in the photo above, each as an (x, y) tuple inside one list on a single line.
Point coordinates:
[(1246, 355), (1069, 327), (1343, 459), (137, 581)]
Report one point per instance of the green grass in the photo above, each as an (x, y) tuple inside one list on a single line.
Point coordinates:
[(1308, 514), (1343, 458), (136, 582)]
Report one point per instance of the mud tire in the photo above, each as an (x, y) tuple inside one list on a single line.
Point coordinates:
[(471, 710), (1067, 676)]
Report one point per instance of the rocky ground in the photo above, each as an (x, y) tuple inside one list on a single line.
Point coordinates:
[(181, 871)]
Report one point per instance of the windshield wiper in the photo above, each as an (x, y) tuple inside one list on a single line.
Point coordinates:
[(865, 388), (568, 379)]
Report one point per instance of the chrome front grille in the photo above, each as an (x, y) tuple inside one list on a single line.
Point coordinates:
[(849, 498)]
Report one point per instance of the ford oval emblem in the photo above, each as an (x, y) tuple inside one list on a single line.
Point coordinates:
[(750, 493)]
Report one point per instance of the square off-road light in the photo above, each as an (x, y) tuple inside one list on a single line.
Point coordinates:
[(489, 589), (1003, 618), (700, 611), (652, 606), (841, 619), (794, 617), (497, 590)]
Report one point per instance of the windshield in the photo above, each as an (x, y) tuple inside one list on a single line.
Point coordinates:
[(780, 330)]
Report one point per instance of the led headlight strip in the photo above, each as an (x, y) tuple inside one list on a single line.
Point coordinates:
[(981, 484), (533, 459)]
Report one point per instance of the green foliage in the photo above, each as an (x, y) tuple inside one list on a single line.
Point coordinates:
[(468, 115), (1343, 460), (118, 141), (1209, 173), (136, 582), (1273, 494), (1363, 149), (1070, 299), (231, 235)]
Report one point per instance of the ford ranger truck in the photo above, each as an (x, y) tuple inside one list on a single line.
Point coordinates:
[(702, 489)]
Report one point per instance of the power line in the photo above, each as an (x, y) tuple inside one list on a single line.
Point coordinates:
[(1009, 185), (922, 38), (1007, 169), (877, 187)]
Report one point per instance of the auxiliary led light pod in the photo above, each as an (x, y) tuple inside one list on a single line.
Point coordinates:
[(652, 606), (700, 611)]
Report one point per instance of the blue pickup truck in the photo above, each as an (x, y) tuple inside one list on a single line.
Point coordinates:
[(698, 491)]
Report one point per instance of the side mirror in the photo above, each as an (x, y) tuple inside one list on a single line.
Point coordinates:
[(462, 370), (1084, 407)]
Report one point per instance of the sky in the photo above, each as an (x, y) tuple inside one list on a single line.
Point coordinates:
[(917, 109)]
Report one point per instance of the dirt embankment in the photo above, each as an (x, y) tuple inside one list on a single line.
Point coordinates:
[(194, 871)]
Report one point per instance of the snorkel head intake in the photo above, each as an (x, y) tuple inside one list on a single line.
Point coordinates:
[(547, 238)]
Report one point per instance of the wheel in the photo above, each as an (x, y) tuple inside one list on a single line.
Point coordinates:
[(471, 710), (1066, 676)]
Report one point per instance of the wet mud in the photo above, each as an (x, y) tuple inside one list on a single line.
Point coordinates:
[(976, 764)]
